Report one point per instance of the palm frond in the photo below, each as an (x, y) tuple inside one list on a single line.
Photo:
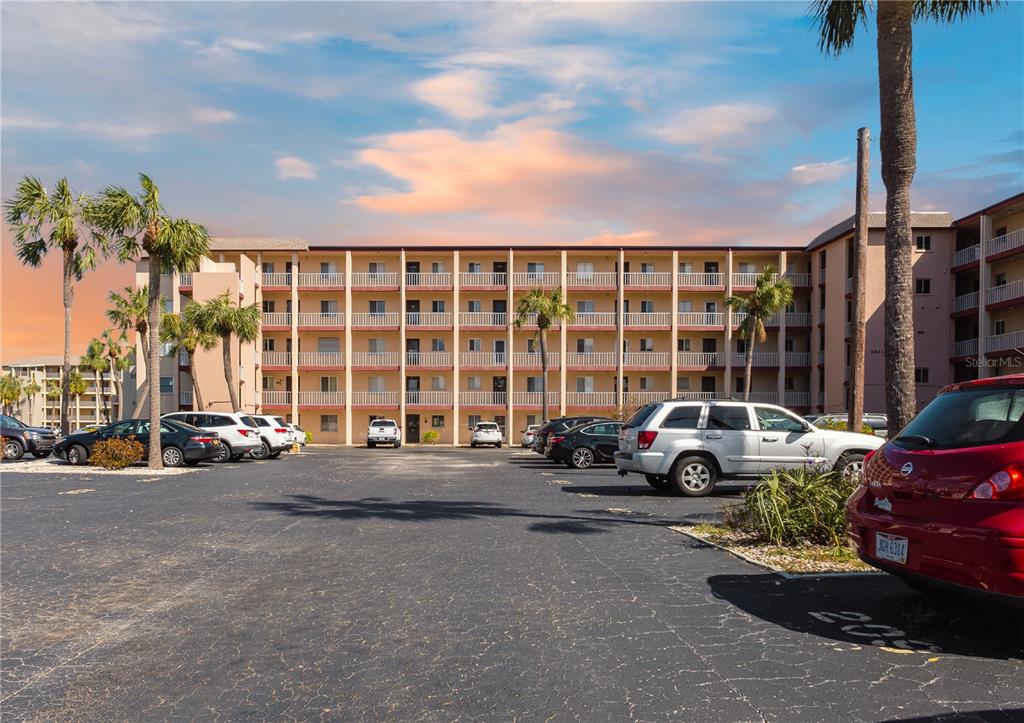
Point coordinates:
[(951, 11), (837, 22)]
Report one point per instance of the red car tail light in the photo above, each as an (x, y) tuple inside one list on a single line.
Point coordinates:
[(281, 431), (644, 440), (205, 439), (244, 432), (869, 455), (556, 440), (1006, 484)]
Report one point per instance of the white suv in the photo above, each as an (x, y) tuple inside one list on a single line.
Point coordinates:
[(486, 433), (296, 435), (686, 446), (238, 436), (274, 437), (383, 431)]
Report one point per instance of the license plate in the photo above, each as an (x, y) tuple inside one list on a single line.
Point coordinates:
[(891, 548), (215, 442)]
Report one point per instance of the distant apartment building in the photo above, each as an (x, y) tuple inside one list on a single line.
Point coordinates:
[(427, 335), (40, 410)]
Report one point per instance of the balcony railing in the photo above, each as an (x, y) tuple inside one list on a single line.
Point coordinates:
[(321, 359), (590, 399), (276, 399), (967, 347), (468, 279), (430, 398), (761, 359), (702, 319), (747, 279), (700, 359), (439, 279), (688, 396), (798, 359), (655, 279), (322, 320), (638, 399), (428, 359), (276, 359), (967, 255), (798, 399), (184, 280), (966, 301), (328, 279), (381, 279), (321, 399), (276, 279), (532, 399), (595, 318), (798, 279), (375, 359), (375, 399), (376, 319), (531, 320), (1005, 292), (762, 397), (482, 318), (1010, 341), (428, 318), (482, 399), (185, 398), (645, 359), (648, 318), (592, 279), (277, 318), (700, 281), (536, 279), (1006, 242), (531, 360), (482, 359), (591, 359)]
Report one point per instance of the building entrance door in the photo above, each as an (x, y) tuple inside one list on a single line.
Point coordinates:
[(412, 428)]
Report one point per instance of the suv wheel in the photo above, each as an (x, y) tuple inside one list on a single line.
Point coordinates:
[(77, 454), (850, 464), (693, 477), (581, 458), (261, 452), (223, 453), (173, 457), (13, 449)]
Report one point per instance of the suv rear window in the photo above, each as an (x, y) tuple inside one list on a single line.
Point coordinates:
[(683, 417), (641, 415), (967, 418), (382, 423)]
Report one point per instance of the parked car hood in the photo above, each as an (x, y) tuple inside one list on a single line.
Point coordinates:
[(833, 436)]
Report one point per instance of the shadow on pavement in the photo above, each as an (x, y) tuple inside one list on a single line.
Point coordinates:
[(972, 716), (879, 610), (646, 490)]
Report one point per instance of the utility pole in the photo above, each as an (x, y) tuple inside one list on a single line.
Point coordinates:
[(855, 419)]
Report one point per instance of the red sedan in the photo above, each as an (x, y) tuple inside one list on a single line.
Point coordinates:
[(942, 504)]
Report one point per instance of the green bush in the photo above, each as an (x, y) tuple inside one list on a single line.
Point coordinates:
[(116, 453), (789, 507), (431, 437), (840, 426), (309, 438)]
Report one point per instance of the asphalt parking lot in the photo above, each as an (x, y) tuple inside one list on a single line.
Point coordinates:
[(441, 584)]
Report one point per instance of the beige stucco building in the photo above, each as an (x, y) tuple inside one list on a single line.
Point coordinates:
[(38, 410)]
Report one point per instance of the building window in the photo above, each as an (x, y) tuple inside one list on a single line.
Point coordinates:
[(999, 327), (1001, 278), (683, 384), (531, 419), (739, 384), (789, 344), (165, 349), (924, 243), (646, 384), (268, 306), (268, 344), (437, 306), (267, 384), (376, 345), (328, 384), (377, 267), (685, 306), (328, 306), (533, 384), (473, 420), (741, 346), (823, 258), (747, 268), (268, 267), (647, 268), (585, 307), (437, 421), (378, 306), (328, 345), (328, 267), (375, 384), (167, 385), (789, 384), (922, 286), (473, 384), (682, 345), (647, 307), (437, 384), (920, 375), (437, 345), (584, 346), (437, 267), (685, 267), (584, 384), (647, 345), (473, 306), (584, 269), (475, 267), (475, 344), (328, 422)]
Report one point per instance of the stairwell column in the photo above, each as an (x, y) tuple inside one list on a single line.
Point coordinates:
[(455, 348), (728, 326), (293, 318), (401, 341), (984, 283), (258, 391), (510, 311), (781, 384), (673, 340), (620, 336), (348, 347), (564, 332)]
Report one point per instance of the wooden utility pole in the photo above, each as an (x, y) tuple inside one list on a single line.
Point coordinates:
[(855, 419)]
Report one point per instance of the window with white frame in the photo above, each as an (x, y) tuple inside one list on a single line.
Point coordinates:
[(685, 267), (646, 384), (375, 384), (437, 267), (472, 420), (683, 344), (328, 306), (476, 344), (473, 306), (475, 267), (437, 384), (533, 384), (999, 327), (437, 345), (585, 307), (378, 306), (268, 343), (923, 243), (647, 267), (685, 306), (584, 384), (328, 422), (376, 345), (647, 307), (473, 383), (437, 306), (584, 269), (584, 346), (328, 267), (267, 384), (377, 267), (268, 267), (328, 384), (683, 384), (328, 345), (167, 385), (647, 344)]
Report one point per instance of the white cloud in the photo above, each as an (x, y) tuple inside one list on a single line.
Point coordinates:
[(294, 167), (823, 172), (27, 122), (208, 115), (462, 94), (251, 46), (695, 126)]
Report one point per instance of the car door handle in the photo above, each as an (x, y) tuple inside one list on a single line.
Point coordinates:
[(713, 435), (769, 439)]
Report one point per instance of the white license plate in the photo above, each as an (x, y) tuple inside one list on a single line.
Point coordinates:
[(891, 548)]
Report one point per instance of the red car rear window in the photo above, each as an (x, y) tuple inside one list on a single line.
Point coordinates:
[(970, 417)]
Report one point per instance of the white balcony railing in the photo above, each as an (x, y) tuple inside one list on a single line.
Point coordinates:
[(482, 279), (322, 359), (703, 319), (591, 359), (1005, 292), (277, 318), (967, 301), (762, 397), (184, 279), (321, 320), (185, 397), (798, 279), (328, 279), (441, 279), (638, 399), (687, 396), (428, 318), (648, 318), (761, 359), (375, 358), (1006, 242), (700, 359), (798, 318), (532, 399), (967, 347), (482, 359), (381, 279), (1010, 341), (595, 318), (276, 279), (431, 398), (646, 359), (276, 359), (482, 399), (428, 359), (648, 279), (375, 399), (590, 399), (531, 360), (536, 279), (798, 399), (700, 281), (276, 399), (746, 279), (376, 319), (321, 399), (967, 255), (592, 279), (798, 359), (531, 320), (482, 318)]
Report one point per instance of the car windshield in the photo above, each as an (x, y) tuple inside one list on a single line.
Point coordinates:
[(487, 427), (12, 422), (967, 418), (249, 422), (641, 415)]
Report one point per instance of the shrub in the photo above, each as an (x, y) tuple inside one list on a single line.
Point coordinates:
[(840, 426), (116, 453), (309, 438), (431, 437), (789, 507)]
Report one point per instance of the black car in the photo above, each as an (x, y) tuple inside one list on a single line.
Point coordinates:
[(20, 438), (585, 444), (181, 443), (560, 424)]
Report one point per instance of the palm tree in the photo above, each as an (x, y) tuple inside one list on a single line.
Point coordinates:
[(129, 310), (31, 390), (141, 227), (57, 221), (181, 333), (837, 22), (10, 391), (223, 318), (771, 295), (95, 360), (550, 309), (119, 360), (76, 388)]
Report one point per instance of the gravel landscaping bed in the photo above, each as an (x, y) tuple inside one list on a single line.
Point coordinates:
[(57, 466)]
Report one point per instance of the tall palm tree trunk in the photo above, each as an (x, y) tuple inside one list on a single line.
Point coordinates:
[(543, 377), (898, 145), (153, 365), (229, 372), (198, 397), (65, 389), (748, 369)]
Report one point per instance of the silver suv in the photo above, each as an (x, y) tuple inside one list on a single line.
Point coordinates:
[(687, 446)]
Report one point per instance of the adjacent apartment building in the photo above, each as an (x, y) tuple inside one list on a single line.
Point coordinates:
[(427, 335), (41, 410)]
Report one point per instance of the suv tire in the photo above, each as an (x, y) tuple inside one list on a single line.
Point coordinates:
[(658, 482), (850, 463), (77, 454), (261, 452), (223, 454), (581, 458), (13, 449), (693, 477)]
